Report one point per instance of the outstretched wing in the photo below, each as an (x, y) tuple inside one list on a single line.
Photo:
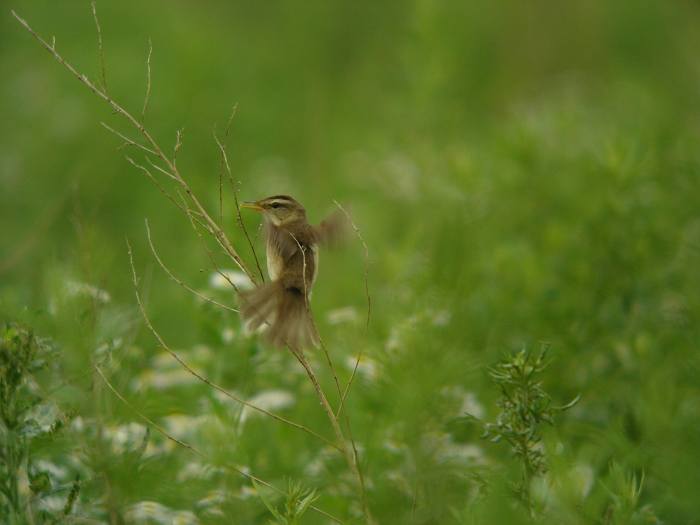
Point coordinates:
[(333, 231)]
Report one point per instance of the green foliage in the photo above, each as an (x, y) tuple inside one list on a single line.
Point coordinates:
[(521, 172), (22, 355), (524, 406), (296, 502)]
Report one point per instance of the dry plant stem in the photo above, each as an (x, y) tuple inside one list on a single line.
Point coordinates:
[(364, 245), (344, 395), (207, 250), (226, 165), (353, 461), (157, 184), (216, 230), (204, 379), (148, 81), (298, 354), (127, 140), (100, 50), (192, 449), (179, 281)]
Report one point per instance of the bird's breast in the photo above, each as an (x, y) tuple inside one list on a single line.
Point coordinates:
[(275, 262)]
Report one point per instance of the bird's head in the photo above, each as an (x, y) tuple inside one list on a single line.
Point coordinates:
[(278, 209)]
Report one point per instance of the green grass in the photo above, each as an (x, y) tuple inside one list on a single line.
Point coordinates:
[(523, 174)]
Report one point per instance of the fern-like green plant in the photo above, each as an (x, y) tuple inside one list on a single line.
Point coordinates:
[(296, 501), (21, 355), (524, 407)]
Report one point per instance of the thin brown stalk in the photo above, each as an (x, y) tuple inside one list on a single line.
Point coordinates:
[(191, 448), (127, 140), (161, 170), (103, 69), (155, 181), (178, 144), (298, 354), (364, 245), (148, 81), (208, 251), (353, 461), (369, 303), (202, 378), (179, 281), (227, 166)]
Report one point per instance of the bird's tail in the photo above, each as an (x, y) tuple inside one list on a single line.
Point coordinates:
[(282, 313)]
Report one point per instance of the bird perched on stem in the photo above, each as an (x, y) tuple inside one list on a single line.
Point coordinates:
[(292, 264)]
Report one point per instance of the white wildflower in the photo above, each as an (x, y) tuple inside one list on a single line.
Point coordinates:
[(220, 280), (197, 471), (153, 512), (125, 437), (346, 315), (161, 380), (268, 400), (182, 426), (227, 335), (76, 288), (441, 318), (368, 367), (56, 471), (582, 477)]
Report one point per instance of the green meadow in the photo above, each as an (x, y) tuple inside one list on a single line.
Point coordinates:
[(523, 295)]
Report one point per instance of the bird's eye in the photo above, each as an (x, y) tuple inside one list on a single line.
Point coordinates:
[(275, 205)]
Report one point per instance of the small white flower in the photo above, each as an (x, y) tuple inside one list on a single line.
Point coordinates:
[(197, 471), (268, 400), (76, 288), (153, 512), (227, 334), (125, 437), (442, 318), (344, 315), (53, 469), (161, 380), (582, 476), (367, 367), (220, 280), (182, 426)]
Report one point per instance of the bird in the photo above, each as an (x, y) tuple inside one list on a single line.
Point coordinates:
[(281, 306)]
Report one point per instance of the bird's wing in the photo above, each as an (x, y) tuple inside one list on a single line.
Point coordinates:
[(283, 243), (333, 231)]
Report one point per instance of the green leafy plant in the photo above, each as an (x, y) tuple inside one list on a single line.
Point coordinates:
[(22, 354), (624, 490), (524, 407), (296, 501)]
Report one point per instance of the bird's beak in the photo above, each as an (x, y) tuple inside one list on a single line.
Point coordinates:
[(252, 205)]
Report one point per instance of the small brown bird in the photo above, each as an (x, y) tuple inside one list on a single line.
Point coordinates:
[(292, 264)]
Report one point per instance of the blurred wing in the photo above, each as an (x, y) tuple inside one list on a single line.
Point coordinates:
[(333, 231)]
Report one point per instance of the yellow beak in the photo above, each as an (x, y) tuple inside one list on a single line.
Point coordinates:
[(252, 205)]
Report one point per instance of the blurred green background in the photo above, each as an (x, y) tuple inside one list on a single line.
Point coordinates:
[(522, 172)]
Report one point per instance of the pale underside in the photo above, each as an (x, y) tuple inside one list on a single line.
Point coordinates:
[(275, 264)]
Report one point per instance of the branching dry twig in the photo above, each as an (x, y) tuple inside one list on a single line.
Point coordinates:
[(103, 69), (369, 304), (353, 460), (225, 164), (202, 378), (216, 230), (127, 140), (179, 281), (148, 81), (208, 251)]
